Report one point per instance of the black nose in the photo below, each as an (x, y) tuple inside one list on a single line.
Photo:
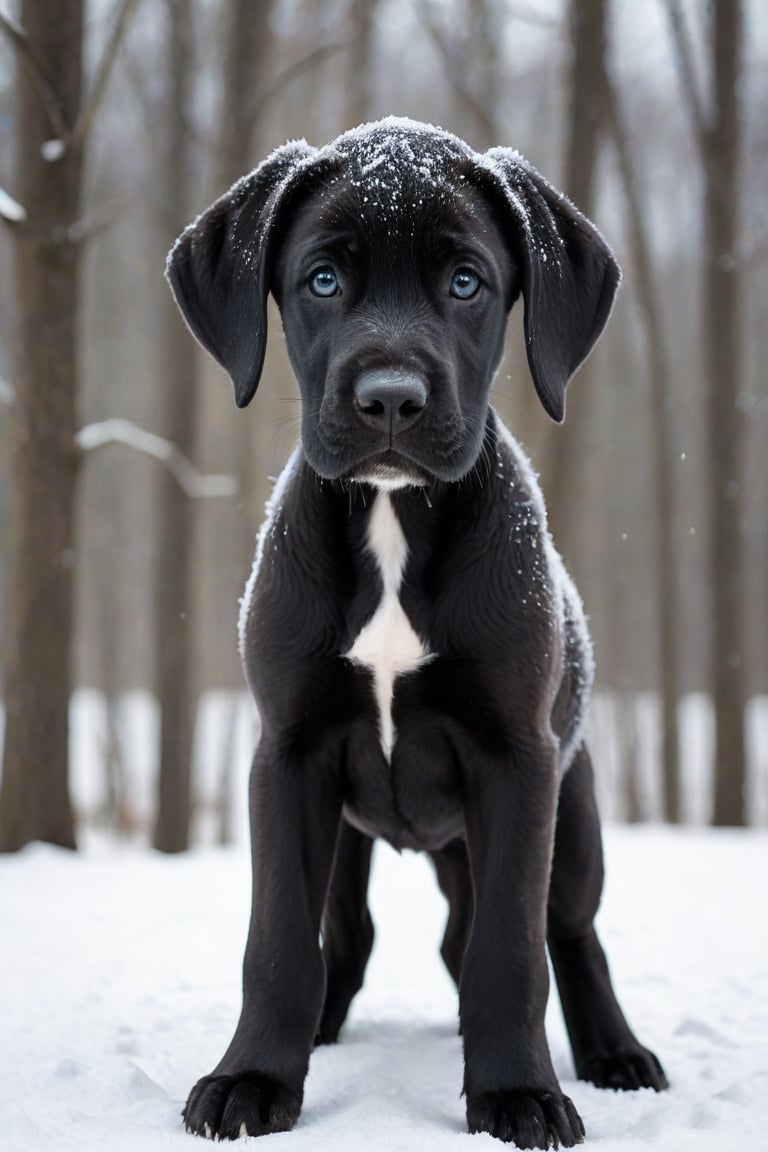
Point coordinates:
[(389, 398)]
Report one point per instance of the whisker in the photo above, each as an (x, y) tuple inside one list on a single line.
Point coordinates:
[(282, 419)]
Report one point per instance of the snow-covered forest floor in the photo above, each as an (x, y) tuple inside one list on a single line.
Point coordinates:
[(119, 986)]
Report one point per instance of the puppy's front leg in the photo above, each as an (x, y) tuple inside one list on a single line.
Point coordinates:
[(258, 1086), (510, 1084)]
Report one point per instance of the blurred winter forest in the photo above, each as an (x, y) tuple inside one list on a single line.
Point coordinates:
[(131, 488)]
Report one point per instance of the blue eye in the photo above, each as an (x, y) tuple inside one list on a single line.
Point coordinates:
[(464, 284), (324, 282)]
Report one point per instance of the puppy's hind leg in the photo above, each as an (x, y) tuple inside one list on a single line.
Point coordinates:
[(605, 1050), (453, 875), (347, 930)]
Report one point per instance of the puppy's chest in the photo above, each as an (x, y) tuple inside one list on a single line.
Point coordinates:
[(388, 645)]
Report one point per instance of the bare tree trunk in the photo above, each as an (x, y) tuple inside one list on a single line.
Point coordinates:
[(723, 358), (174, 585), (587, 28), (35, 803), (583, 134), (629, 754), (246, 53), (226, 775), (247, 76), (661, 449), (718, 130), (246, 84), (483, 53)]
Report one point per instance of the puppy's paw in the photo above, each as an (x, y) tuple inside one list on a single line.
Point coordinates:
[(529, 1118), (626, 1069), (246, 1104)]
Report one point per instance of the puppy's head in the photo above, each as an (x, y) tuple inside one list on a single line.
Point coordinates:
[(395, 255)]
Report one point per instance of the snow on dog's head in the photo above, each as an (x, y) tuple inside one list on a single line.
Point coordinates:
[(395, 161)]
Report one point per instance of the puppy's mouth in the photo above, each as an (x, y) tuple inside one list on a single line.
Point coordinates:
[(388, 470)]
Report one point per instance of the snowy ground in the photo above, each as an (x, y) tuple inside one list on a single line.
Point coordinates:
[(119, 985)]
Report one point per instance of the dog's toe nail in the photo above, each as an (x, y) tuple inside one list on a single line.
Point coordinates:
[(207, 1131), (243, 1129)]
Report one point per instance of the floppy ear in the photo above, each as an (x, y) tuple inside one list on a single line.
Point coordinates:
[(219, 268), (570, 276)]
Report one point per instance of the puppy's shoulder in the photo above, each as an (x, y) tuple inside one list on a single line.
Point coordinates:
[(513, 462), (286, 483)]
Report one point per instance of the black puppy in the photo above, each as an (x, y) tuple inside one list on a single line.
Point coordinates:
[(418, 655)]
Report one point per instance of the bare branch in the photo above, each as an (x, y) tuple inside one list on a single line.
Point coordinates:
[(485, 121), (134, 67), (293, 71), (11, 212), (104, 71), (20, 42), (11, 28), (87, 227), (193, 483), (684, 53)]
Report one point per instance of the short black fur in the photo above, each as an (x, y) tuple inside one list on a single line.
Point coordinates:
[(395, 255)]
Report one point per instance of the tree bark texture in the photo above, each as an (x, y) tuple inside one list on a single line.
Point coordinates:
[(35, 803), (246, 55), (723, 359), (661, 452), (174, 576), (245, 77), (584, 125)]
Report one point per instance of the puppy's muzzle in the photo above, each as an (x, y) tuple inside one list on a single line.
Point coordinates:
[(390, 400)]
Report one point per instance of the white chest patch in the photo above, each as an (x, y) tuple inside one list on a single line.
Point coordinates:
[(388, 644)]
